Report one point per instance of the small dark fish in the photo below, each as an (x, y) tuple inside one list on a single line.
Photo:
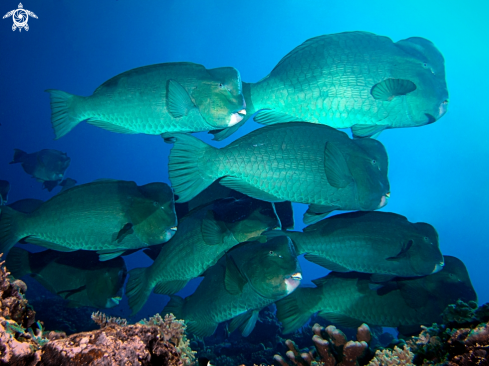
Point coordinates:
[(4, 190), (67, 184), (47, 166), (250, 277), (78, 277), (348, 299)]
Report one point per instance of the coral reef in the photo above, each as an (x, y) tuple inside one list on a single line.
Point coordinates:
[(331, 348), (395, 357)]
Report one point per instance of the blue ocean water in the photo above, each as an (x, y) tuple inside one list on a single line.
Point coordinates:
[(438, 173)]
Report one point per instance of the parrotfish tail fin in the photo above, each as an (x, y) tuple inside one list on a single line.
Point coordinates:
[(62, 116), (8, 235), (18, 263), (175, 307), (293, 312), (187, 176), (138, 289), (18, 154)]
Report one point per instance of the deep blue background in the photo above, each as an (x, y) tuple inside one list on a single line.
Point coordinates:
[(438, 173)]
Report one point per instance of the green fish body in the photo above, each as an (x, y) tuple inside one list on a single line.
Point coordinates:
[(384, 243), (203, 237), (78, 277), (105, 216), (297, 162), (167, 97), (239, 286), (348, 299), (353, 79)]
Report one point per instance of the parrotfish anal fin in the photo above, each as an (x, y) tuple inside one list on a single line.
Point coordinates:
[(169, 287), (125, 231), (105, 255), (390, 88), (213, 231), (340, 319), (234, 281), (245, 322), (179, 103), (326, 263), (270, 117), (335, 166), (109, 126), (359, 131), (72, 291), (403, 253), (316, 212), (47, 244), (245, 188), (379, 278)]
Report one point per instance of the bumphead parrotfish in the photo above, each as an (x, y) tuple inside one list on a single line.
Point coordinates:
[(382, 243), (203, 236), (352, 79), (167, 97), (78, 277), (298, 162), (47, 166), (250, 277), (348, 299), (104, 216)]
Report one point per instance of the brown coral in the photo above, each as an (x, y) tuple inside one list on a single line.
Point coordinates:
[(470, 347), (396, 357)]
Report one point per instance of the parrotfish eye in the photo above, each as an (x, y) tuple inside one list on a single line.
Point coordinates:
[(221, 86), (156, 204), (426, 239)]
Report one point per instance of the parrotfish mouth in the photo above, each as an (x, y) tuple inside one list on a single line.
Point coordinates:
[(237, 117), (384, 199), (438, 267), (113, 301), (293, 282), (174, 228)]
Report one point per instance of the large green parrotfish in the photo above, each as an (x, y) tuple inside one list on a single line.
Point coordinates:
[(298, 162), (167, 97), (108, 216), (349, 299), (250, 277), (78, 277), (203, 237), (382, 243), (352, 79)]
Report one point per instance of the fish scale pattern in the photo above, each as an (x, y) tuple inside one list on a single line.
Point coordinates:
[(328, 80)]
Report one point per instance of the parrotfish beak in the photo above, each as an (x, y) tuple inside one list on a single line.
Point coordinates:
[(438, 267), (237, 117), (443, 108), (293, 282), (384, 199), (113, 301), (174, 228)]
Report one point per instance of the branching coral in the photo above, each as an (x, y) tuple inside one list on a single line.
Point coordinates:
[(331, 348), (395, 357), (103, 320)]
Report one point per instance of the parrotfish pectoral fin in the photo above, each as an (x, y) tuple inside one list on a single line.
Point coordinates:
[(62, 117), (125, 231), (245, 188), (169, 287), (326, 263), (403, 252), (415, 297), (213, 231), (138, 288), (245, 322), (179, 103), (8, 237), (234, 281), (270, 117), (315, 213), (67, 293), (359, 131), (335, 166), (105, 255), (390, 88), (175, 307)]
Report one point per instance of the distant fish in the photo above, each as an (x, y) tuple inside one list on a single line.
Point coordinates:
[(251, 277), (167, 97), (297, 162), (352, 79), (78, 277), (203, 236), (67, 184), (4, 190), (106, 216), (47, 166), (348, 299), (383, 243)]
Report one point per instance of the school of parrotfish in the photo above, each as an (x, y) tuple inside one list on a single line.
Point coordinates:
[(228, 214)]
